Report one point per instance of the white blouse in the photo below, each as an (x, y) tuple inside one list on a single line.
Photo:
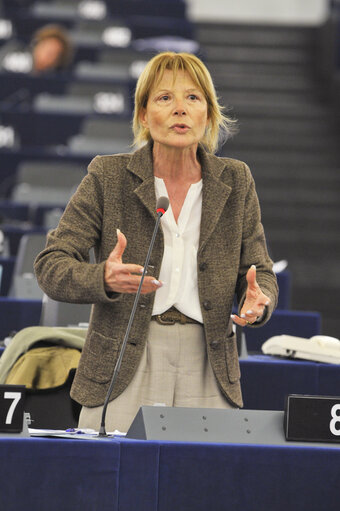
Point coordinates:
[(179, 265)]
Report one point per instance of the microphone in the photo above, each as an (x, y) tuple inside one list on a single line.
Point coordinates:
[(161, 207)]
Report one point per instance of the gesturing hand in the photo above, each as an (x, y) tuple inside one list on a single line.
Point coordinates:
[(255, 302), (125, 278)]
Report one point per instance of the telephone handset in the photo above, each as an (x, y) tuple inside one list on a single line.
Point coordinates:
[(320, 348)]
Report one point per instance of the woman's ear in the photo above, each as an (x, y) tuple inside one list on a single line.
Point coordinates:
[(143, 118)]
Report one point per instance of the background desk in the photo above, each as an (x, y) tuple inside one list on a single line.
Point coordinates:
[(298, 323), (128, 475), (16, 314), (267, 380)]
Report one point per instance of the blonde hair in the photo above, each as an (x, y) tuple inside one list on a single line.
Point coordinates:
[(220, 126)]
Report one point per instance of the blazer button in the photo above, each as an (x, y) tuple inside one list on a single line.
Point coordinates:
[(207, 305), (203, 266), (214, 344)]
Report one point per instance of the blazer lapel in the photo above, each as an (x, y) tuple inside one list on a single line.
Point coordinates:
[(215, 195), (215, 192), (141, 165)]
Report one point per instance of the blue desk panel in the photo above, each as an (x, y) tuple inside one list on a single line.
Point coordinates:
[(16, 314), (127, 475), (267, 380), (284, 280), (46, 474), (298, 323), (7, 264), (12, 211)]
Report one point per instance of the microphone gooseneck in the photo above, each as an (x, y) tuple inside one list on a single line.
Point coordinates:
[(161, 207)]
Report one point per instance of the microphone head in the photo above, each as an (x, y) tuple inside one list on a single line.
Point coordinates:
[(162, 205)]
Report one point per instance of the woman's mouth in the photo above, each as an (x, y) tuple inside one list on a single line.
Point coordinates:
[(180, 128)]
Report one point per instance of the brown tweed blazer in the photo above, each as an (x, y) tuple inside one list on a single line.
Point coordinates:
[(119, 192)]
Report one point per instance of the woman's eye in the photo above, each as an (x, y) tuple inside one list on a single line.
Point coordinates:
[(164, 98), (193, 96)]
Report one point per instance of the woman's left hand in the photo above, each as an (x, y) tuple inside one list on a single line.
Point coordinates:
[(255, 302)]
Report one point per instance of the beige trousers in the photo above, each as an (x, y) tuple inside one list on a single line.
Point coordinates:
[(174, 371)]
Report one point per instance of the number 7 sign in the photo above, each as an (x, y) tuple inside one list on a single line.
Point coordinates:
[(11, 408)]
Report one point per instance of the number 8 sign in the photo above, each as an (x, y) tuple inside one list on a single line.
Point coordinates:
[(11, 408), (312, 418), (334, 425)]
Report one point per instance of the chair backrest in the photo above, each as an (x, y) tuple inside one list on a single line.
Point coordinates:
[(106, 98), (112, 32), (107, 128), (46, 183), (52, 218), (80, 144), (103, 136), (60, 175), (64, 314), (45, 102), (24, 283)]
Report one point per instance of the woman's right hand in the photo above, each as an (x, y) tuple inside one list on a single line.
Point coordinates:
[(125, 278)]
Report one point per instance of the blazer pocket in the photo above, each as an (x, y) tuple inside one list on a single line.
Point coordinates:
[(100, 354), (233, 365)]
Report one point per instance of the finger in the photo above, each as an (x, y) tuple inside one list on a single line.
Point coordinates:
[(127, 283), (118, 271), (251, 276), (119, 248), (252, 314), (151, 287), (131, 268), (145, 289), (256, 306), (239, 321), (263, 301)]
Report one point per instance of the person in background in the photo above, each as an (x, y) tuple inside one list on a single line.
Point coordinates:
[(182, 348), (52, 49)]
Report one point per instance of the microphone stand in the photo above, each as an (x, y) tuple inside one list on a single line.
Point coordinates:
[(102, 430)]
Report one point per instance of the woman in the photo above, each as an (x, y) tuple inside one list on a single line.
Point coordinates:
[(181, 349), (52, 49)]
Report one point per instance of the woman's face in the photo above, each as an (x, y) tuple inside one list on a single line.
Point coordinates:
[(176, 113), (46, 54)]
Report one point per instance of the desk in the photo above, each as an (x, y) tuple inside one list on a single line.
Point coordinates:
[(284, 281), (131, 475), (267, 380), (7, 264), (14, 234), (298, 323), (34, 213), (10, 161)]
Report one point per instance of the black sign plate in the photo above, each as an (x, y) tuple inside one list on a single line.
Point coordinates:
[(312, 418), (12, 399)]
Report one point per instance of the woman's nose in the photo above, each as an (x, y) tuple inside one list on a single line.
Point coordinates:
[(179, 108)]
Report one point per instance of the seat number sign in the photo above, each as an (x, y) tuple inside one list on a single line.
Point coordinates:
[(313, 418), (12, 399)]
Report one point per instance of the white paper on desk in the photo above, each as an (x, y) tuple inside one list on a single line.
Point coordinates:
[(43, 432), (78, 433)]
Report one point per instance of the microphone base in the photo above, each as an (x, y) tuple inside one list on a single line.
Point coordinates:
[(102, 431)]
